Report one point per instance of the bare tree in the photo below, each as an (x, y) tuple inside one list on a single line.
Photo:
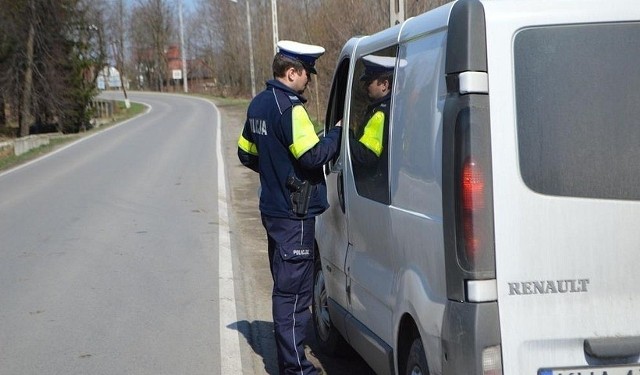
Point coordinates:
[(152, 27), (203, 37), (116, 18), (27, 83), (217, 34), (47, 47)]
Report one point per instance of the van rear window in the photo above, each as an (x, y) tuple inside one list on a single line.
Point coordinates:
[(578, 109)]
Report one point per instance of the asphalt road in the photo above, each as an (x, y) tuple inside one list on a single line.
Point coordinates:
[(139, 250)]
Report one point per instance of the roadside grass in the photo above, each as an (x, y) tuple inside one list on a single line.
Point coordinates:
[(228, 102), (58, 140)]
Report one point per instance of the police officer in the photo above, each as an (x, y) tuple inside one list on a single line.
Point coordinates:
[(279, 142), (369, 143)]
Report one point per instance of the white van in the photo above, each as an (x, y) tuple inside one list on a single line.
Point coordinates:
[(506, 238)]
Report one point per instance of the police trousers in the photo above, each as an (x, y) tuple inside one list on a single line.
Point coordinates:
[(291, 259)]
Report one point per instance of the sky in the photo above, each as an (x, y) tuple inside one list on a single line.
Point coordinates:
[(188, 4)]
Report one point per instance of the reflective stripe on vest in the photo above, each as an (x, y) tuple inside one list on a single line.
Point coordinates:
[(373, 133), (304, 135), (247, 146)]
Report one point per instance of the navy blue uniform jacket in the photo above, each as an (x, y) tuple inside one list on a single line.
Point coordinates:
[(278, 140)]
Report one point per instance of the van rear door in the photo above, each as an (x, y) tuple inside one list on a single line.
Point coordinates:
[(564, 96)]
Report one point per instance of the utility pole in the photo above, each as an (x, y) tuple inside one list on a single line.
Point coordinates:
[(250, 41), (183, 51), (396, 12), (274, 23), (253, 74)]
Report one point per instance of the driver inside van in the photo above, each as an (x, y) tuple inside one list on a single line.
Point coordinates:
[(368, 142)]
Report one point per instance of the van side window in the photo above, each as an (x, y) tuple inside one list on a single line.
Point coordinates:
[(416, 160), (335, 106), (370, 121)]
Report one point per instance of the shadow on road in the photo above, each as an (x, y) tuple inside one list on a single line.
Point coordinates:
[(258, 332)]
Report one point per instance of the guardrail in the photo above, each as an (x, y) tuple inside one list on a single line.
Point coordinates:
[(22, 145), (104, 111), (104, 108)]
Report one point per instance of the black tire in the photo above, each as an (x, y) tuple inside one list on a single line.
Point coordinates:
[(417, 360), (329, 339)]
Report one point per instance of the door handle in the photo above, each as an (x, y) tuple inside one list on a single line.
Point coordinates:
[(611, 347), (341, 191), (348, 288)]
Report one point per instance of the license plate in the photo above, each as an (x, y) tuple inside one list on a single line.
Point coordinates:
[(617, 370)]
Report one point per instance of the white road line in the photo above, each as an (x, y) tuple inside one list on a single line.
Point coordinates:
[(230, 362)]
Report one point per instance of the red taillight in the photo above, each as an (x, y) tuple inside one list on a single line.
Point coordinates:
[(473, 192), (472, 185), (467, 189)]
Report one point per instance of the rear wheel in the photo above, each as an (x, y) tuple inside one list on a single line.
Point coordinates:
[(330, 340), (417, 361)]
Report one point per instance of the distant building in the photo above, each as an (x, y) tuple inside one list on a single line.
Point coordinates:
[(199, 75), (174, 60), (109, 79)]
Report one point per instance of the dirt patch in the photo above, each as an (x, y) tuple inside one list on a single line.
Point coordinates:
[(6, 151)]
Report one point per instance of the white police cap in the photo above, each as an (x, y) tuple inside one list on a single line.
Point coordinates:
[(375, 65), (305, 53)]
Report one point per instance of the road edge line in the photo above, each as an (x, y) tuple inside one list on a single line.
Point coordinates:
[(230, 361)]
